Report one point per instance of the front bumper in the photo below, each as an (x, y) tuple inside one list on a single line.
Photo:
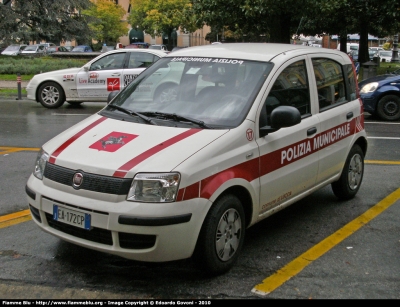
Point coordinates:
[(31, 91), (369, 102), (150, 232)]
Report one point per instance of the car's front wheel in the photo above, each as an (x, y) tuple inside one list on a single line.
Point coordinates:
[(388, 107), (352, 174), (51, 95), (221, 236)]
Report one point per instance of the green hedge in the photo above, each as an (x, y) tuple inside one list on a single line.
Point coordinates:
[(12, 65)]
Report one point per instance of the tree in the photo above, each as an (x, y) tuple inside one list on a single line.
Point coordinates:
[(274, 21), (162, 17), (342, 17), (107, 26), (44, 20)]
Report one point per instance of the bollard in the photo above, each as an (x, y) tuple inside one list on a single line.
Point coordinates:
[(19, 86)]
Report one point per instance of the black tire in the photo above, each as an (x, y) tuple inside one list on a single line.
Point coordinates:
[(75, 103), (221, 236), (352, 174), (51, 95), (388, 108)]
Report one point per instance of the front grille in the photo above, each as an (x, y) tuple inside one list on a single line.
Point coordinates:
[(91, 182), (95, 234), (136, 241)]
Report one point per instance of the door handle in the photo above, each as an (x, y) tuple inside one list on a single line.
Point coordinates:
[(116, 74), (311, 131), (349, 115)]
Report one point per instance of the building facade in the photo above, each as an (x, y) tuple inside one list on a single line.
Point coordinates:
[(184, 39)]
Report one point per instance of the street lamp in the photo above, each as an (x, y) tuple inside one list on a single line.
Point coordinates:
[(395, 52)]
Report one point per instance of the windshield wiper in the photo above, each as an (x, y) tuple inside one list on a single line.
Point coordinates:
[(145, 118), (177, 117)]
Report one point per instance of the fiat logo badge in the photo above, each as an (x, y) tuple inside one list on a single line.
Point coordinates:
[(77, 180)]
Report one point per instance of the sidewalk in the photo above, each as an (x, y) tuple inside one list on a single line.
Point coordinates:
[(12, 84)]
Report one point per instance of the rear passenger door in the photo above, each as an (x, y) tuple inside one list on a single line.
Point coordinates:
[(338, 110), (288, 164)]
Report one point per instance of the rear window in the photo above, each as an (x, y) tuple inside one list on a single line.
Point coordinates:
[(329, 77)]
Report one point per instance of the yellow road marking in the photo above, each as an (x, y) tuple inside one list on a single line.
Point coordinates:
[(6, 150), (274, 281), (381, 162), (15, 218)]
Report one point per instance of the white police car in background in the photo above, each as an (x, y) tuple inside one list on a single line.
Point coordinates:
[(237, 133), (110, 71)]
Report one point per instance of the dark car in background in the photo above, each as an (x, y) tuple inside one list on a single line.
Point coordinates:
[(56, 49), (138, 45), (82, 48), (381, 95)]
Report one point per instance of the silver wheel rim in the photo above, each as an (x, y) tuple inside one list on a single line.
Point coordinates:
[(168, 95), (50, 95), (228, 235), (355, 172)]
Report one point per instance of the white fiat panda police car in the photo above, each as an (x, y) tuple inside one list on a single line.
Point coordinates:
[(181, 168)]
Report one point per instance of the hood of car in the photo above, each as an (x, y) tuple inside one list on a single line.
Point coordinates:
[(12, 52), (380, 78), (68, 71), (110, 147)]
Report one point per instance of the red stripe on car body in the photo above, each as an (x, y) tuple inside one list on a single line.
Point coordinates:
[(267, 163), (60, 149), (121, 172)]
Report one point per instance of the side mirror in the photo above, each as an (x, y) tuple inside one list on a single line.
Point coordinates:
[(86, 68), (281, 117), (111, 96)]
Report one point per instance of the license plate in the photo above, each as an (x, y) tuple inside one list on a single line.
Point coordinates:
[(71, 217)]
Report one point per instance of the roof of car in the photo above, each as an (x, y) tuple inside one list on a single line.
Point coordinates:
[(145, 50), (251, 51)]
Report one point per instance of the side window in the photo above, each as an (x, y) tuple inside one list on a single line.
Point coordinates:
[(330, 83), (111, 61), (141, 59), (291, 88)]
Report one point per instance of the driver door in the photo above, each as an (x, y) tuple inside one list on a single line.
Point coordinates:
[(104, 76)]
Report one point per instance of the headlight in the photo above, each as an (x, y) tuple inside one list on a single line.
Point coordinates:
[(40, 164), (154, 188), (370, 87)]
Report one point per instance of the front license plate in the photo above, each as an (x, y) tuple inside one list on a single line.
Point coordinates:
[(71, 217)]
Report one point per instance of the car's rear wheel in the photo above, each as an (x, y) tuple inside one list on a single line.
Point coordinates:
[(352, 174), (221, 236), (51, 95), (388, 107)]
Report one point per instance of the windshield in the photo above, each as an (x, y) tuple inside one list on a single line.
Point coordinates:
[(79, 48), (216, 92), (30, 48), (12, 48)]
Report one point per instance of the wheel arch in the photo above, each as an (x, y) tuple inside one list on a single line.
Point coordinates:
[(392, 91), (244, 197), (48, 81), (362, 142)]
